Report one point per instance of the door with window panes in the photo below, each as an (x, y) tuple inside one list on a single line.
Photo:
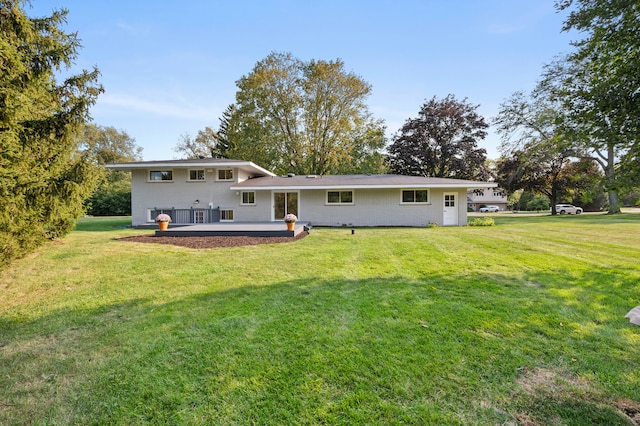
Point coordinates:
[(450, 215), (284, 203)]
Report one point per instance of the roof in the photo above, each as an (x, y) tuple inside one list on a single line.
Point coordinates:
[(355, 182), (269, 180), (195, 162)]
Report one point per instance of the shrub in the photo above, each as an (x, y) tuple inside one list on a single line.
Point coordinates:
[(111, 199), (482, 221)]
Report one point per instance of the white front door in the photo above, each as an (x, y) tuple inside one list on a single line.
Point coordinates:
[(450, 215)]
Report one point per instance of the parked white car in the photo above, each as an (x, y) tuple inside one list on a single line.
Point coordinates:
[(492, 209), (567, 209)]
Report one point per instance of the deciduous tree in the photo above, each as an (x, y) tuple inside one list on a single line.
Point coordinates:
[(44, 178), (584, 185), (303, 117), (206, 144), (441, 142), (599, 85), (534, 150), (108, 145)]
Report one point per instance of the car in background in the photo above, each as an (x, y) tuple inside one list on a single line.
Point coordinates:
[(567, 209), (487, 209)]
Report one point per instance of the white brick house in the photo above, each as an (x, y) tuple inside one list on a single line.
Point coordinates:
[(208, 190)]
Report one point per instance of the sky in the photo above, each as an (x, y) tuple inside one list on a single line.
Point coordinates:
[(170, 68)]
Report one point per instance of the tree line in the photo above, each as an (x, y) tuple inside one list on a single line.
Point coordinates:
[(574, 136)]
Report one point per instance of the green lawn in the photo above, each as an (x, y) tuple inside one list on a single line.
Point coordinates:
[(519, 323)]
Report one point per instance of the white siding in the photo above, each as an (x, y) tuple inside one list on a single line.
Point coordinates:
[(375, 207), (260, 212), (179, 193), (371, 207)]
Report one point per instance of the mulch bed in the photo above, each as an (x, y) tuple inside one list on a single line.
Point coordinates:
[(212, 242)]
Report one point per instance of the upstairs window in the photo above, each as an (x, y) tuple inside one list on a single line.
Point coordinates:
[(197, 175), (339, 197), (410, 196), (225, 174), (160, 175)]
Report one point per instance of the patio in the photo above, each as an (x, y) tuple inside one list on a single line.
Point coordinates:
[(235, 229)]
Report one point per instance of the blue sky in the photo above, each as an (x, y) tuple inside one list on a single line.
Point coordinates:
[(170, 69)]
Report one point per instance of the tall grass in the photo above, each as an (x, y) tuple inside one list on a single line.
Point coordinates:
[(514, 323)]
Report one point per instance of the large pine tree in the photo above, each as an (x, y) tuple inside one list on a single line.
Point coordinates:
[(44, 179)]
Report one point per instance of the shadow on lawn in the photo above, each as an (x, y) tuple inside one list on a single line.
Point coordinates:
[(441, 349)]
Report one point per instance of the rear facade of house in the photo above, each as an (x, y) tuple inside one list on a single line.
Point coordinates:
[(210, 190)]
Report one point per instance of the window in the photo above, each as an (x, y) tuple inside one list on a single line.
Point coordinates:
[(225, 174), (415, 196), (339, 197), (226, 215), (248, 198), (198, 216), (152, 213), (449, 200), (196, 175), (160, 175)]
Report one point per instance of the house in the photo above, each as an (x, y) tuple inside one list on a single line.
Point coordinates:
[(487, 197), (208, 190)]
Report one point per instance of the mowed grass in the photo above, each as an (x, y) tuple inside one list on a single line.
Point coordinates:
[(519, 323)]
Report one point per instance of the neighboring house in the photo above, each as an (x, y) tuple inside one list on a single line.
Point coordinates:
[(487, 197), (207, 190)]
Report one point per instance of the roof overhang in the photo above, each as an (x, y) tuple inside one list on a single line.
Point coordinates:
[(351, 182), (238, 187), (190, 164)]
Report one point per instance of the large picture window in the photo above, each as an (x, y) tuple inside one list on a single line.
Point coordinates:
[(415, 196), (160, 175), (339, 197)]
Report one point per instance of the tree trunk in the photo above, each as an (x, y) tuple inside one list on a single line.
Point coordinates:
[(554, 198), (614, 206)]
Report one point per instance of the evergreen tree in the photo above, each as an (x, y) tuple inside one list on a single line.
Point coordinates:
[(44, 178)]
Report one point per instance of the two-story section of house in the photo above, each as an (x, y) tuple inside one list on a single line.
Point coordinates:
[(190, 191)]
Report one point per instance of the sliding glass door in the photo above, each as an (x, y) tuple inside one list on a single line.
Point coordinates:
[(284, 203)]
